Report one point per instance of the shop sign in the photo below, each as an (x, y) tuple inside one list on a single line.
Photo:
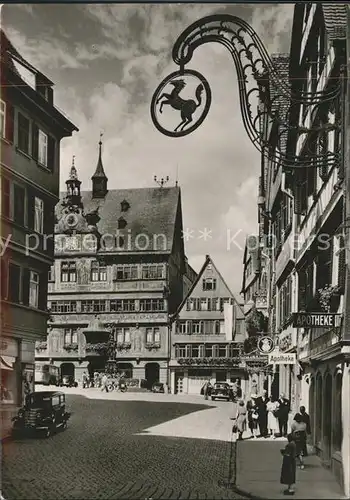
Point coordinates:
[(316, 320), (282, 358), (265, 345)]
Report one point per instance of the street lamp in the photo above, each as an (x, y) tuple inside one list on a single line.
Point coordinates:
[(260, 90)]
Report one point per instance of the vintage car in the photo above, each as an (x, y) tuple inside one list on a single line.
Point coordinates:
[(221, 390), (43, 411)]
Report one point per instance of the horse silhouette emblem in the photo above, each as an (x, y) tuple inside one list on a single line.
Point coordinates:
[(187, 107)]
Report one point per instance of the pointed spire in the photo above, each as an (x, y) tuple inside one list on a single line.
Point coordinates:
[(99, 179), (99, 172)]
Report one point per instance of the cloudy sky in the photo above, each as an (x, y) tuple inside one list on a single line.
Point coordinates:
[(106, 61)]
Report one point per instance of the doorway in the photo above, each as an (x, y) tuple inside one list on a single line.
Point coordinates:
[(67, 369), (152, 374)]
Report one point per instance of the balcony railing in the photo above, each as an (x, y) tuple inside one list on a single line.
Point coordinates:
[(152, 345)]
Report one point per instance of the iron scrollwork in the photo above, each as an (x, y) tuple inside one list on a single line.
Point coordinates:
[(262, 90)]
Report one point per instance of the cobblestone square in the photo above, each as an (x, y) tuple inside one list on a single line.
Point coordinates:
[(101, 455)]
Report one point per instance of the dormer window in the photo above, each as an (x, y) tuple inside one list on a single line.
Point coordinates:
[(125, 206), (121, 223)]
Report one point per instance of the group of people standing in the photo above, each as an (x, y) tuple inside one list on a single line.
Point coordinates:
[(263, 416), (101, 380), (266, 417)]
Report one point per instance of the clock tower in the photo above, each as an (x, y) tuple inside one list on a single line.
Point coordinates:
[(73, 186)]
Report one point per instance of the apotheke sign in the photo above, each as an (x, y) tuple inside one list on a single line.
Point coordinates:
[(316, 320), (280, 358)]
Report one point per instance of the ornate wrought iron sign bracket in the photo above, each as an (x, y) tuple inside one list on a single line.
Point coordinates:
[(261, 90)]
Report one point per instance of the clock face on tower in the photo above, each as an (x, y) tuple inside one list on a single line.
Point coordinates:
[(71, 220)]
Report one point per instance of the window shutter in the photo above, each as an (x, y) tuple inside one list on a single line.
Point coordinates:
[(342, 265), (49, 218), (51, 147), (35, 141), (31, 210), (9, 125), (25, 286), (4, 279), (43, 291)]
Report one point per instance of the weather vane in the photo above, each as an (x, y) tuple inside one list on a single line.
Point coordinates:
[(162, 181)]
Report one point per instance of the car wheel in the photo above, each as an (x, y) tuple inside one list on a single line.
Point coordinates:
[(213, 399), (65, 425)]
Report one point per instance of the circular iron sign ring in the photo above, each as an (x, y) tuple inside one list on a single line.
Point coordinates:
[(154, 103)]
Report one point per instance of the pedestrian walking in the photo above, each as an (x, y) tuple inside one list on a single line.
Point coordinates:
[(299, 437), (272, 422), (84, 380), (253, 415), (283, 413), (207, 389), (104, 383), (261, 402), (305, 418), (288, 470), (240, 420)]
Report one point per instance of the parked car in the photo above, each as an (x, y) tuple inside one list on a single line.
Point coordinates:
[(43, 411), (221, 390), (158, 387), (68, 381)]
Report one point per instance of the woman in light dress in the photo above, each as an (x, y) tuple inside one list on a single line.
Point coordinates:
[(272, 422), (241, 419)]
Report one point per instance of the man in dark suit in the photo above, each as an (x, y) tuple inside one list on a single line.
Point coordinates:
[(261, 402), (283, 413), (305, 418)]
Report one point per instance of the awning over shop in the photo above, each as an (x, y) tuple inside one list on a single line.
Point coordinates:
[(6, 362)]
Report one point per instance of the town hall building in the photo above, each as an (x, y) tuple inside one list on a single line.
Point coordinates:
[(118, 274)]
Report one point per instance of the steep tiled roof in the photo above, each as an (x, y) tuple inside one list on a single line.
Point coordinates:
[(7, 47), (335, 18), (152, 214)]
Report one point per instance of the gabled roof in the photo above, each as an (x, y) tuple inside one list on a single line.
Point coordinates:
[(152, 214), (207, 261), (336, 20)]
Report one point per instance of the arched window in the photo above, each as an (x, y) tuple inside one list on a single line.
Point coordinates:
[(337, 421), (318, 416)]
